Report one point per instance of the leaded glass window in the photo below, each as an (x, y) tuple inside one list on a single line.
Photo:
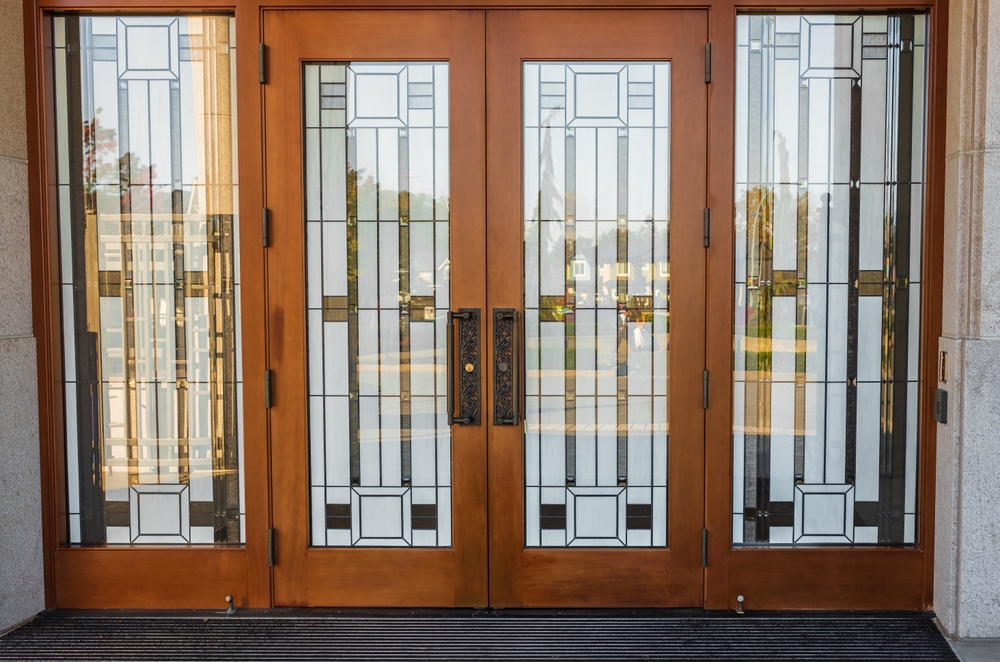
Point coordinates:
[(377, 242), (830, 144), (596, 277), (149, 273)]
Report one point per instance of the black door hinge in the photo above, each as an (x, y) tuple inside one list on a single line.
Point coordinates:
[(704, 548), (270, 548), (708, 63), (261, 50), (265, 227), (704, 390), (708, 227), (267, 389)]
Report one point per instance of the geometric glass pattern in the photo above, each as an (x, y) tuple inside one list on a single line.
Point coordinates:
[(596, 278), (377, 236), (830, 145), (149, 248)]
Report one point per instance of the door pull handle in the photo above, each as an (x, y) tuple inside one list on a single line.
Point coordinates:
[(506, 367), (468, 383)]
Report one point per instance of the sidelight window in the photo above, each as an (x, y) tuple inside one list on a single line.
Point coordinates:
[(147, 190), (830, 144)]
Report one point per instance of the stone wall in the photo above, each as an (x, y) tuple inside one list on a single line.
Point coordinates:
[(967, 521), (21, 574)]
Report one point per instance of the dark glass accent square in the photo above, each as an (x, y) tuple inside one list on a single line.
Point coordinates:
[(785, 283), (870, 283), (116, 513), (640, 308), (749, 514), (552, 515), (552, 308), (202, 513), (639, 516), (338, 516), (866, 513), (424, 516), (782, 513)]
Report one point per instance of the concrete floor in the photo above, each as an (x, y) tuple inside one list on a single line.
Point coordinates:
[(978, 650)]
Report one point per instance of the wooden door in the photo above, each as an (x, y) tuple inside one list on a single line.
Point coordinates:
[(596, 268), (375, 180)]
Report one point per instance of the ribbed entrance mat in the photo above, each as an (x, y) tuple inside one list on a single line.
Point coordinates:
[(478, 635)]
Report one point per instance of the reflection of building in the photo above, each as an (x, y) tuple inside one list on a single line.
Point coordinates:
[(152, 291)]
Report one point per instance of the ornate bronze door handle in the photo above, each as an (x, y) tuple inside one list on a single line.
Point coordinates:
[(468, 404), (506, 367)]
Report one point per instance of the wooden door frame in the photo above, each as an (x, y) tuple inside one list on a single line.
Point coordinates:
[(92, 578), (610, 577), (133, 577), (814, 578), (373, 576)]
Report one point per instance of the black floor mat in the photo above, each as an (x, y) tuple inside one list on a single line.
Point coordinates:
[(478, 635)]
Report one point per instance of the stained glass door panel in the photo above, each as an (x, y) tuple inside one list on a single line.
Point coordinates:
[(589, 503), (377, 245), (596, 308), (375, 186)]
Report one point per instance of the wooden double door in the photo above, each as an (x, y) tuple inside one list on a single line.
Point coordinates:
[(486, 306)]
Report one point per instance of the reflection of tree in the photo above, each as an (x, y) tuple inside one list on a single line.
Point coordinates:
[(100, 151), (758, 205), (425, 207), (103, 165), (549, 195)]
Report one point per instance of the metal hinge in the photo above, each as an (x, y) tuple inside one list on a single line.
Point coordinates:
[(261, 50), (270, 548), (704, 548), (267, 389), (708, 227), (265, 227), (708, 63), (704, 390)]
